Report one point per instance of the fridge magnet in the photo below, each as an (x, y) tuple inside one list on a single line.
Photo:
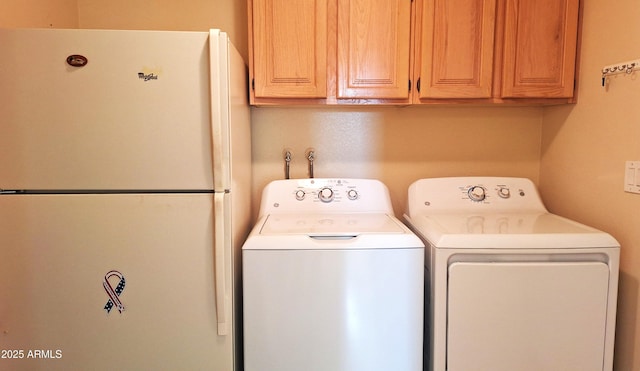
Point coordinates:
[(77, 60), (114, 295)]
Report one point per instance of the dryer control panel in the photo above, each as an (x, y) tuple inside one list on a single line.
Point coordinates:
[(331, 195), (477, 194), (483, 193)]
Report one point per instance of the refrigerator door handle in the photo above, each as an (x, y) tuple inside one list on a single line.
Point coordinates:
[(219, 241)]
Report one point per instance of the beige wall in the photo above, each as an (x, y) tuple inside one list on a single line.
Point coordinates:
[(38, 13), (584, 149), (184, 15), (396, 145)]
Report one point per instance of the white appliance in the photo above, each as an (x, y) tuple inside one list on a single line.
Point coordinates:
[(125, 170), (332, 280), (512, 286)]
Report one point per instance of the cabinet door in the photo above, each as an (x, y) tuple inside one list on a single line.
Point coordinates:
[(455, 52), (540, 48), (373, 48), (289, 48)]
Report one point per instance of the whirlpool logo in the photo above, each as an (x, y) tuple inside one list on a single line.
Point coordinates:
[(147, 76)]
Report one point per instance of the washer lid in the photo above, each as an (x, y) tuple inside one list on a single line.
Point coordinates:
[(331, 231), (329, 224), (507, 230)]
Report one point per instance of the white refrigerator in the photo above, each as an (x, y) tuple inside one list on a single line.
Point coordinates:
[(125, 166)]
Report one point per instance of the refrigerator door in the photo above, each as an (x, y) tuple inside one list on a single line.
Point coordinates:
[(68, 261), (136, 115)]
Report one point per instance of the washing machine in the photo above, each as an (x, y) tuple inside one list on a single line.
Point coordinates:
[(511, 286), (332, 280)]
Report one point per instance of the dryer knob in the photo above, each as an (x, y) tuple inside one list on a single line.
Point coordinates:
[(300, 195), (325, 195), (504, 192), (352, 194), (477, 193)]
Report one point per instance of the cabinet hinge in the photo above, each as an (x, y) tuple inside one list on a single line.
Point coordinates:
[(409, 85), (418, 85), (253, 84)]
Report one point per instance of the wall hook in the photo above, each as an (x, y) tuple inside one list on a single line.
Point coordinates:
[(622, 67)]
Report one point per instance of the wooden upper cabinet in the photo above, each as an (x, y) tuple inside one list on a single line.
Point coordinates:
[(375, 51), (454, 57), (539, 55), (289, 44), (374, 42)]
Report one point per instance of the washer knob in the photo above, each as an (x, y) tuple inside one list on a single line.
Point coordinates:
[(325, 195), (504, 192), (352, 194), (300, 195), (477, 193)]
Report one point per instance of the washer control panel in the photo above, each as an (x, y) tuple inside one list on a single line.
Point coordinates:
[(326, 192), (299, 195)]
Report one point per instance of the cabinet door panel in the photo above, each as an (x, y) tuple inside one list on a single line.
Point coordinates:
[(373, 48), (290, 48), (456, 48), (540, 48)]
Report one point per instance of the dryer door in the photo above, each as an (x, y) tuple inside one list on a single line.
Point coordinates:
[(505, 316)]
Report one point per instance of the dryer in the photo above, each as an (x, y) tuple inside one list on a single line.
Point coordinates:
[(512, 286), (332, 280)]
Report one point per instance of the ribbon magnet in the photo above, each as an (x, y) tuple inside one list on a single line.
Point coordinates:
[(114, 299)]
